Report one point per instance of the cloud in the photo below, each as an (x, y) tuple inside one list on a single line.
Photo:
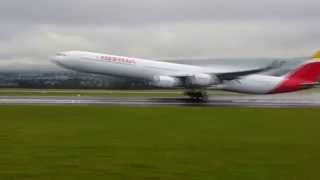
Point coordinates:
[(126, 12), (33, 30)]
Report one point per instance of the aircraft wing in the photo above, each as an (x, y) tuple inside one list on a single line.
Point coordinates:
[(236, 74), (232, 73)]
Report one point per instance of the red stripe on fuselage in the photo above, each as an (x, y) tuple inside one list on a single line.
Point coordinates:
[(308, 73)]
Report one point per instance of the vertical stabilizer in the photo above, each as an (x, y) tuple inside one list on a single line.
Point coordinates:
[(304, 76)]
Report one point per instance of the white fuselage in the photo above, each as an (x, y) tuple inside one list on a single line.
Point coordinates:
[(123, 66), (254, 84)]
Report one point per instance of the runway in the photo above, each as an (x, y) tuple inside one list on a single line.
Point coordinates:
[(273, 101)]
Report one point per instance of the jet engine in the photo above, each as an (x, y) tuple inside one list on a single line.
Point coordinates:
[(166, 82), (201, 80)]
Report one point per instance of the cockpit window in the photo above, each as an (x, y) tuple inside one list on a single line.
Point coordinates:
[(61, 54)]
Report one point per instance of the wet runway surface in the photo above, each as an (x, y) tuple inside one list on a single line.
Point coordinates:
[(279, 101)]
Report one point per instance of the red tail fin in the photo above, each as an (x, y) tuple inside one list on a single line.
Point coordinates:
[(305, 76), (307, 72)]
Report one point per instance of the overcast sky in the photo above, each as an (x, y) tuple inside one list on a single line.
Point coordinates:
[(32, 30)]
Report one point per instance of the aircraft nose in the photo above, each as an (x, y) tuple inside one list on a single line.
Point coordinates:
[(55, 59), (59, 58)]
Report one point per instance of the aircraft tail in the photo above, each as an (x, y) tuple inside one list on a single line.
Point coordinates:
[(316, 55), (308, 72), (304, 76)]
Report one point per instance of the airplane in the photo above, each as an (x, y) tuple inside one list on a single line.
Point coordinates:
[(196, 80)]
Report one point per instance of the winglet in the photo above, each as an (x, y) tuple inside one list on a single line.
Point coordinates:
[(316, 55)]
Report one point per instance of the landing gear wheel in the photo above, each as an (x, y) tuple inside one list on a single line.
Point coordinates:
[(197, 96)]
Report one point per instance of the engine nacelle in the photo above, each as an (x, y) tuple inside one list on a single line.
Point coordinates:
[(165, 82), (201, 80)]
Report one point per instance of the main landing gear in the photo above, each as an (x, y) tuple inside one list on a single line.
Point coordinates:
[(197, 95)]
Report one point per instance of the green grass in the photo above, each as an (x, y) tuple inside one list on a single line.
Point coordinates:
[(66, 143)]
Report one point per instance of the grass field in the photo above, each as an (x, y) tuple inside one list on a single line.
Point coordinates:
[(66, 143)]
